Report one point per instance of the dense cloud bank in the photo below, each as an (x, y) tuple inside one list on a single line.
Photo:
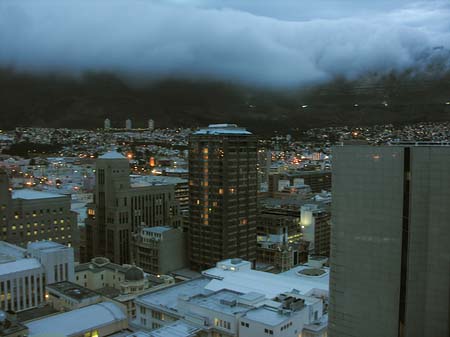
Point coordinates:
[(269, 43)]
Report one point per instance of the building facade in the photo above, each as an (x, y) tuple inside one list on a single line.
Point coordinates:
[(27, 216), (24, 273), (122, 208), (160, 250), (390, 255), (222, 195), (316, 228)]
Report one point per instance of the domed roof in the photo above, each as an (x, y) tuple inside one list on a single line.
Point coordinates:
[(100, 261), (134, 274)]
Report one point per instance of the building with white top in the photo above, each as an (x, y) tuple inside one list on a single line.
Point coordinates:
[(234, 300), (151, 124), (102, 319), (128, 124), (107, 124), (24, 273)]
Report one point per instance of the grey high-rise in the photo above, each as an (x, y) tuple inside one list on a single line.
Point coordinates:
[(390, 254), (222, 195)]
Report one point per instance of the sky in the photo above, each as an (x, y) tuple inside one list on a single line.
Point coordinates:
[(276, 43)]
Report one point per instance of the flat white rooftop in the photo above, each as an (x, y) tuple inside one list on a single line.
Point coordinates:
[(46, 245), (18, 266), (271, 285), (266, 315), (33, 195), (168, 297), (177, 329), (78, 321)]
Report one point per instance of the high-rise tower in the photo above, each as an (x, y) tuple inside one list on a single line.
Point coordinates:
[(223, 195), (390, 252)]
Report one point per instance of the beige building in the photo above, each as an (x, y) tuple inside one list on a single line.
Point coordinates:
[(121, 208), (27, 216), (119, 282), (160, 250)]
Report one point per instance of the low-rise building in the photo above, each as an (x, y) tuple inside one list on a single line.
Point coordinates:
[(234, 300), (119, 282), (66, 296)]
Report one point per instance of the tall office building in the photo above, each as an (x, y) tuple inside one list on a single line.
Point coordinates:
[(121, 208), (390, 254), (222, 195)]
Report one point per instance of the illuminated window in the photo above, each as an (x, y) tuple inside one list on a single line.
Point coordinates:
[(220, 190)]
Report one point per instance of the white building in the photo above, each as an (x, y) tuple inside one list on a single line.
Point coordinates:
[(96, 320), (128, 124), (23, 273), (151, 124), (107, 123), (56, 259), (234, 300)]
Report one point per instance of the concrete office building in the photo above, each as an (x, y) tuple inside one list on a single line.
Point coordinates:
[(222, 195), (390, 254), (24, 273), (160, 250), (27, 215), (121, 208)]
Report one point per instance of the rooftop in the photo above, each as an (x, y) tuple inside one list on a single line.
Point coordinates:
[(28, 194), (18, 266), (177, 329), (112, 155), (72, 290), (168, 297), (267, 315), (46, 245), (78, 321), (157, 229), (224, 301), (249, 280), (222, 129)]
